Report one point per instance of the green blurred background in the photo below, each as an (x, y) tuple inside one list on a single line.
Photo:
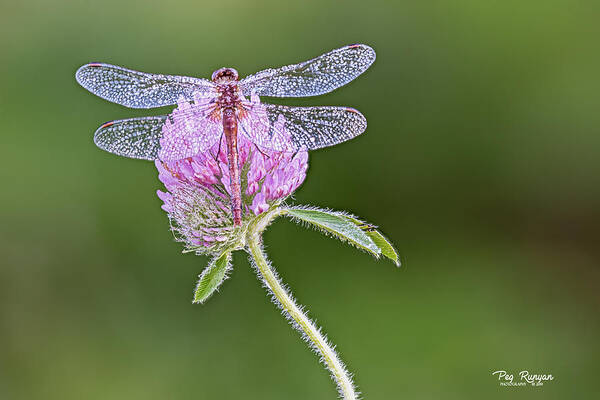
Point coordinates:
[(481, 162)]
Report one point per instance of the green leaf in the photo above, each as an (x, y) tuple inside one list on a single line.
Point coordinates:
[(336, 224), (212, 277), (387, 249)]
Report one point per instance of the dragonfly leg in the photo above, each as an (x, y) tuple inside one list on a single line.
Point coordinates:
[(261, 152), (219, 150), (255, 145)]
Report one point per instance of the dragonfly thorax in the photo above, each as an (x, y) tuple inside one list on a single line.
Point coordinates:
[(225, 75)]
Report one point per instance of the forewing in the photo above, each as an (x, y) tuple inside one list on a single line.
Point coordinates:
[(314, 77), (136, 89), (290, 129), (133, 138)]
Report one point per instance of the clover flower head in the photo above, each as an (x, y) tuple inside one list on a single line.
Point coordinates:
[(198, 193)]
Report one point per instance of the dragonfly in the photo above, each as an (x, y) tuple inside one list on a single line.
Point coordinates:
[(225, 107)]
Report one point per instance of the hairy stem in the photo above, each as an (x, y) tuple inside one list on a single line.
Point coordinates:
[(299, 320)]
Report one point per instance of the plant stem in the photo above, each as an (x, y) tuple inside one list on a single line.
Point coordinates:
[(299, 320)]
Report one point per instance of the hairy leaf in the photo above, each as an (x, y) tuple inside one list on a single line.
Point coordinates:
[(336, 224), (212, 277)]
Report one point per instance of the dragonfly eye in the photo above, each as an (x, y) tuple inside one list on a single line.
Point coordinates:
[(225, 75)]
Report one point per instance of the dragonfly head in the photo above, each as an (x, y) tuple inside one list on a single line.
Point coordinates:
[(225, 75)]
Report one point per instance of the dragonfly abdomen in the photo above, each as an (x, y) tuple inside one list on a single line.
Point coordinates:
[(230, 126)]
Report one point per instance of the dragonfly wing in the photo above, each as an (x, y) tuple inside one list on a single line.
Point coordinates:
[(314, 77), (133, 138), (136, 89), (188, 131), (290, 129)]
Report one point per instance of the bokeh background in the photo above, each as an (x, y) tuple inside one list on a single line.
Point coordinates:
[(481, 162)]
